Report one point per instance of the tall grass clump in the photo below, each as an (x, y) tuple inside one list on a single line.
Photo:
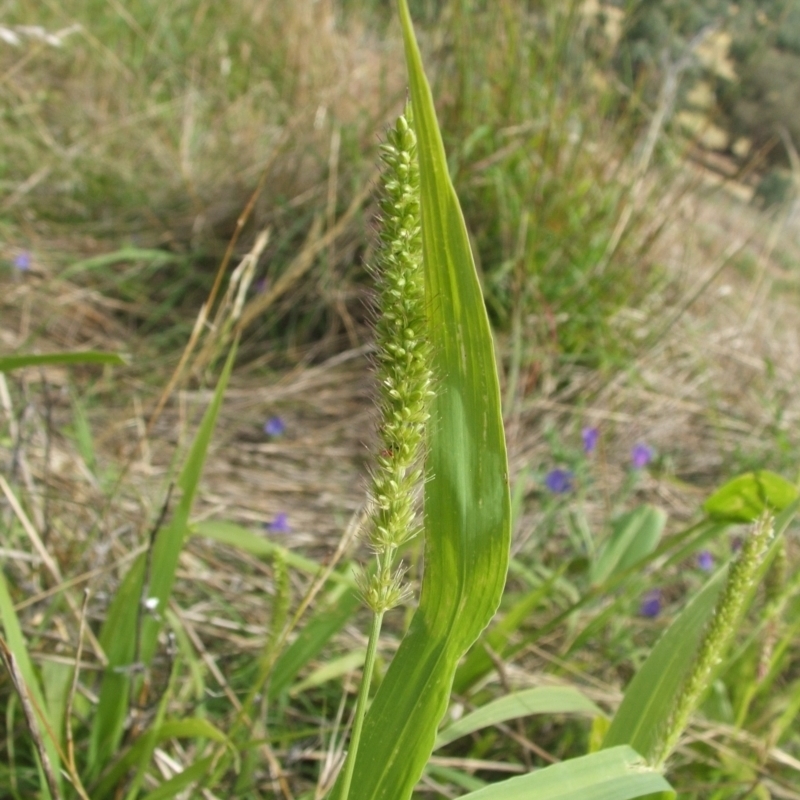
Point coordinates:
[(147, 130), (546, 175), (137, 138)]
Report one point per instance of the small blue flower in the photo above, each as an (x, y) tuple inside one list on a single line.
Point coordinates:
[(705, 561), (274, 426), (280, 524), (559, 481), (590, 437), (641, 455), (22, 262), (651, 604)]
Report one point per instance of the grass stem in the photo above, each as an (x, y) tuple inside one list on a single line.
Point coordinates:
[(361, 706)]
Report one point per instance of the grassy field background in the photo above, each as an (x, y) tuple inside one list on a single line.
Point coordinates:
[(633, 283)]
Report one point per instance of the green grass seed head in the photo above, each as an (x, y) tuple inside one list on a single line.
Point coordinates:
[(403, 360), (721, 628)]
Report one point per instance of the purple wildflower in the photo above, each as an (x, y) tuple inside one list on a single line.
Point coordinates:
[(23, 262), (641, 455), (590, 437), (705, 561), (651, 604), (274, 426), (280, 524), (559, 481)]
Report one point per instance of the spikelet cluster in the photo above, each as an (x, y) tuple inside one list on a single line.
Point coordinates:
[(742, 576), (403, 365)]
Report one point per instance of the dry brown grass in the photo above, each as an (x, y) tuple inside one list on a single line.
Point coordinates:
[(710, 387)]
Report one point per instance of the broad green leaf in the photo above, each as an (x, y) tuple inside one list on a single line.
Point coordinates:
[(119, 632), (649, 698), (746, 498), (541, 700), (331, 670), (467, 506), (634, 536), (615, 774), (7, 363), (16, 644)]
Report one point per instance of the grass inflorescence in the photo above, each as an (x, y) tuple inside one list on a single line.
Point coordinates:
[(404, 370)]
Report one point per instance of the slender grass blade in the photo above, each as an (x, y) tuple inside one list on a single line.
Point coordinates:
[(119, 633), (616, 774), (8, 363), (541, 700), (16, 644)]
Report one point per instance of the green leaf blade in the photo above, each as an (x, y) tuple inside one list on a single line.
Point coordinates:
[(746, 497), (541, 700), (243, 539), (649, 698), (635, 536), (15, 639), (467, 503), (8, 363), (169, 542), (616, 774), (119, 632)]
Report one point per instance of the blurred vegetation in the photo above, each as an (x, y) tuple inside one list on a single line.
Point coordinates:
[(751, 56), (151, 126), (540, 170)]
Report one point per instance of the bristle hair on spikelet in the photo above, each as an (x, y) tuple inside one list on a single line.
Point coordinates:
[(402, 362), (404, 389), (742, 576)]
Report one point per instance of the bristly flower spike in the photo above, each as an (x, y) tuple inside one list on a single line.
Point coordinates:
[(403, 365), (742, 577), (404, 379)]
